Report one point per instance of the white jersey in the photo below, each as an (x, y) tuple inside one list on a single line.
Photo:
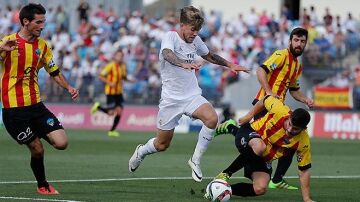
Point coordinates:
[(179, 83)]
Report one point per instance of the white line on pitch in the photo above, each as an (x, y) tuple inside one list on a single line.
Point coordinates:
[(172, 178), (36, 199)]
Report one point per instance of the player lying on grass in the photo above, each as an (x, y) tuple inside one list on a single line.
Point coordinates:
[(280, 131)]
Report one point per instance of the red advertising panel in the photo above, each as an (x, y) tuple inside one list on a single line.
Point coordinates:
[(337, 125), (78, 116)]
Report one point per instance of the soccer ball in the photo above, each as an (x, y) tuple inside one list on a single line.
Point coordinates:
[(218, 190)]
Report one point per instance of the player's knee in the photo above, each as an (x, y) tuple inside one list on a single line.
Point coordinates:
[(62, 145), (211, 122), (258, 146), (119, 111), (260, 190)]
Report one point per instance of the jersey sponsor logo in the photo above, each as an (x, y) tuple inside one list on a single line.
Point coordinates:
[(273, 66), (27, 70), (299, 158), (51, 63), (190, 57), (50, 121), (25, 134)]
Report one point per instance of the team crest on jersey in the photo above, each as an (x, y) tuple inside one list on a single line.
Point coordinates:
[(50, 122), (286, 141), (37, 52)]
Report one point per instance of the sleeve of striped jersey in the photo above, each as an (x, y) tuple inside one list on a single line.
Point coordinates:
[(275, 106), (48, 60), (124, 71), (106, 70), (276, 60), (3, 53), (304, 152), (295, 84)]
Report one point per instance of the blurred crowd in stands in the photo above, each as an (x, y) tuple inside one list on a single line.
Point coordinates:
[(246, 40)]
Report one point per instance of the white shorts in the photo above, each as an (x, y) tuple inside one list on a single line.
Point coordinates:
[(170, 112)]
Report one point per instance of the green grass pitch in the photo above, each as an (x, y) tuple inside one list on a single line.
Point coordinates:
[(95, 168)]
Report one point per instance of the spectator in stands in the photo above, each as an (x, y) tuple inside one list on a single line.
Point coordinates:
[(110, 31), (313, 16), (83, 10), (357, 87), (328, 18)]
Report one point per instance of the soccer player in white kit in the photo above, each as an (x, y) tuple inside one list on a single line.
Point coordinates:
[(181, 93)]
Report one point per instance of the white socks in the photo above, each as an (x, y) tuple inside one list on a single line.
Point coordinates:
[(205, 137), (148, 148)]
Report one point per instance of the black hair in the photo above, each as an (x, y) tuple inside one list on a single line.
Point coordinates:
[(299, 31), (300, 118), (29, 12)]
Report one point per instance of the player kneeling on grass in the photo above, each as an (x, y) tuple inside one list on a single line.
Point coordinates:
[(280, 131)]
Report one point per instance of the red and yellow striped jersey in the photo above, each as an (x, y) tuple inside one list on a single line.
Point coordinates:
[(283, 73), (114, 73), (20, 67), (271, 129)]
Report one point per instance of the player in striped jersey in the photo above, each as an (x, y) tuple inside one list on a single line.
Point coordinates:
[(25, 117), (113, 75), (278, 74), (277, 133)]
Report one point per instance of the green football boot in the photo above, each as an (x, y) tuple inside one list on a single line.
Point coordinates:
[(223, 128)]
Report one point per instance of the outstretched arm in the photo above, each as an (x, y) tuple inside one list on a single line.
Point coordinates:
[(61, 81), (170, 56), (299, 96), (262, 77), (216, 59), (258, 107)]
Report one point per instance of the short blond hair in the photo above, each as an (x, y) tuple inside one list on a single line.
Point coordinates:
[(191, 16)]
